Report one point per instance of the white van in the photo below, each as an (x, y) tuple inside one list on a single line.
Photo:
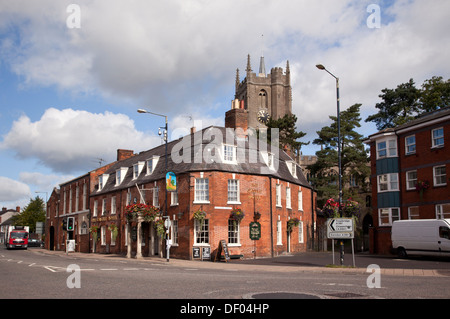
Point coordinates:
[(421, 237)]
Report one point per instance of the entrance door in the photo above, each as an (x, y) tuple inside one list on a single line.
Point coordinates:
[(154, 241), (52, 238)]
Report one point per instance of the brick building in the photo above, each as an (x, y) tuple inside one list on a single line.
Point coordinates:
[(409, 176), (217, 170), (71, 199)]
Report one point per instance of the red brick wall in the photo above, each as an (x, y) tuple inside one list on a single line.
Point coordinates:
[(249, 185)]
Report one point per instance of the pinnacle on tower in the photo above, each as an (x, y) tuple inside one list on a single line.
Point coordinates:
[(249, 67), (262, 68)]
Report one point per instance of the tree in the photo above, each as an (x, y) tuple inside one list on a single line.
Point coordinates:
[(32, 213), (406, 102), (289, 137), (354, 157), (435, 94), (399, 106)]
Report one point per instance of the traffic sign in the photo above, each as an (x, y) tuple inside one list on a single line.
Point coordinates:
[(340, 228)]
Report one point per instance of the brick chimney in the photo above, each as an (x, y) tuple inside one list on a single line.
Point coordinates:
[(236, 118), (124, 154)]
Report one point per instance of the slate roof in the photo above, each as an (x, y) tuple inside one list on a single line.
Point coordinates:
[(209, 138)]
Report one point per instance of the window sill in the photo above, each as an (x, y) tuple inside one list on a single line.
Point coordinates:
[(233, 203), (201, 245), (201, 202), (234, 245)]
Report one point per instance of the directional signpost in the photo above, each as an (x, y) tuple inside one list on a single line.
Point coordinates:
[(341, 228)]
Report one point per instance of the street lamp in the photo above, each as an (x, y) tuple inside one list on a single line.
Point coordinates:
[(321, 67), (166, 130)]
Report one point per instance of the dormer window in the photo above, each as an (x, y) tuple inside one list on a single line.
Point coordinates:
[(229, 153), (292, 166), (102, 179), (151, 164), (137, 169), (120, 175), (268, 158)]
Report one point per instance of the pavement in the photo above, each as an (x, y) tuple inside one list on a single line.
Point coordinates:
[(308, 262)]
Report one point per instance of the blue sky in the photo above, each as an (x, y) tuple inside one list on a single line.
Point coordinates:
[(68, 96)]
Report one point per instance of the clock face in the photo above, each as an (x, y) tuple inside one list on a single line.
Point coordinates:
[(263, 116)]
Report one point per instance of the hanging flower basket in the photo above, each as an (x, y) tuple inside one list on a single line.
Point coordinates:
[(237, 215), (148, 212), (349, 208), (114, 230), (94, 231), (293, 222), (200, 216), (422, 186), (159, 226)]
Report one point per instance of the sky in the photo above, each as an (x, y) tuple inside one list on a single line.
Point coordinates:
[(73, 73)]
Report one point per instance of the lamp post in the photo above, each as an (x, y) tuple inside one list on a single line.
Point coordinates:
[(166, 130), (321, 67)]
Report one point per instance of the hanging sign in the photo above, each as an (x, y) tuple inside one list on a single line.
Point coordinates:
[(171, 182), (255, 231)]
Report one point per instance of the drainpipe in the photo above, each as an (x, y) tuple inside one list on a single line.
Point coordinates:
[(271, 219)]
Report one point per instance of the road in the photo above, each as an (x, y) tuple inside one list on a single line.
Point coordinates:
[(35, 273)]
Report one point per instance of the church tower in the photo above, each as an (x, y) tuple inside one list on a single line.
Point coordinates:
[(262, 95)]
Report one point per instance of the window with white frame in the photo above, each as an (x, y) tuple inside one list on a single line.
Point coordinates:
[(279, 234), (229, 153), (288, 197), (102, 179), (104, 206), (410, 144), (173, 198), (437, 136), (151, 164), (388, 182), (411, 180), (292, 168), (77, 198), (120, 175), (300, 199), (156, 196), (95, 208), (413, 212), (386, 216), (233, 191), (300, 232), (174, 229), (84, 196), (113, 205), (439, 175), (128, 200), (443, 211), (387, 148), (233, 232), (201, 190), (201, 234), (103, 235), (278, 195)]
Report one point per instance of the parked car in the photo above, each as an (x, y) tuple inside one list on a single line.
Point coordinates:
[(35, 243)]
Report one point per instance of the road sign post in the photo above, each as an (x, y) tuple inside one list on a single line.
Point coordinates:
[(341, 228)]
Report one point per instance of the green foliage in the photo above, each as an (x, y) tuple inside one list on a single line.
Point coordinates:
[(32, 213), (287, 132), (354, 157), (406, 102)]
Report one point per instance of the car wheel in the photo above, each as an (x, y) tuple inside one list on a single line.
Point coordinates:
[(402, 252)]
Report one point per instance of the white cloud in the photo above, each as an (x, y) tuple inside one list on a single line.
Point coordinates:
[(43, 181), (181, 54), (69, 140), (13, 191)]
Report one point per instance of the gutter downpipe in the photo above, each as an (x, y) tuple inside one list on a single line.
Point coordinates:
[(271, 218)]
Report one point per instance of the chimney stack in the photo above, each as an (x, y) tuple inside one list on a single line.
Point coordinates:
[(124, 154)]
